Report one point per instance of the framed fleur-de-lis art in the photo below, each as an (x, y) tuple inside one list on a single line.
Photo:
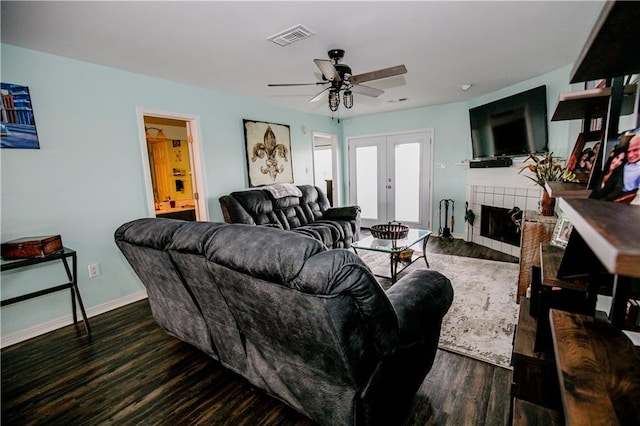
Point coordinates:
[(268, 148)]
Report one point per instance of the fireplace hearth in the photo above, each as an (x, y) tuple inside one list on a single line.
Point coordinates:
[(496, 223)]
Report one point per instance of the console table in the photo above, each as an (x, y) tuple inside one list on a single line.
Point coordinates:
[(72, 275)]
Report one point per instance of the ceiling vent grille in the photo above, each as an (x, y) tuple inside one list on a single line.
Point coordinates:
[(286, 37)]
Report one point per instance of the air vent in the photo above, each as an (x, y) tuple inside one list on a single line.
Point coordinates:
[(286, 37)]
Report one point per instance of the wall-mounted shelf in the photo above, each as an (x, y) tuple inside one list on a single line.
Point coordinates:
[(567, 190), (610, 229), (609, 51), (607, 234), (592, 102)]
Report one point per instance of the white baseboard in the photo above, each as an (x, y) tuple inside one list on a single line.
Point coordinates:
[(55, 324)]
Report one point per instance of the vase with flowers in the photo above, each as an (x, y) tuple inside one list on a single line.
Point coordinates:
[(547, 169)]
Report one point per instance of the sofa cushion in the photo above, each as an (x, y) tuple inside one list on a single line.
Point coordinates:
[(341, 271), (270, 254)]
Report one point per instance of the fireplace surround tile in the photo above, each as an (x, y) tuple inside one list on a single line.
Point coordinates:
[(504, 197)]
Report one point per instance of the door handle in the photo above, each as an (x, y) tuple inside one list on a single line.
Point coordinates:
[(388, 186)]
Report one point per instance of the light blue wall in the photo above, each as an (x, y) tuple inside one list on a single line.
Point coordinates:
[(452, 136), (87, 178)]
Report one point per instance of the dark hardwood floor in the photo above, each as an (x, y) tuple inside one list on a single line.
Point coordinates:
[(459, 247), (131, 372)]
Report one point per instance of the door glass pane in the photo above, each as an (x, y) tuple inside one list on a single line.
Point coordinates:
[(407, 182), (367, 181), (322, 166)]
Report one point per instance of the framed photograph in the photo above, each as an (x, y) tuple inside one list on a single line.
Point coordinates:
[(620, 178), (268, 147), (561, 232), (17, 123), (584, 155), (595, 84)]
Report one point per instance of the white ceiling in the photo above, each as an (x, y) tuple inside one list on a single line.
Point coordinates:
[(224, 46)]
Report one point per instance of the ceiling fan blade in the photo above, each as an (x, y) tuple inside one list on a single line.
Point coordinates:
[(328, 70), (376, 75), (366, 90), (319, 96), (295, 84)]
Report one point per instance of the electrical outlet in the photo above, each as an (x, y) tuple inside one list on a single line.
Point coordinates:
[(94, 270), (440, 165)]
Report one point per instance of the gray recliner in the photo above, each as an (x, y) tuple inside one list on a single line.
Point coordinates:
[(308, 213), (309, 325)]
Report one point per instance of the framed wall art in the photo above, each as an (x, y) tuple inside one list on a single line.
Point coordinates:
[(268, 148), (17, 122)]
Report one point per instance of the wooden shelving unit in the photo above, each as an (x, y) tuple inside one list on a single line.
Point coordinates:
[(609, 51), (597, 365), (611, 230), (550, 259), (592, 102), (567, 190), (599, 371), (534, 373)]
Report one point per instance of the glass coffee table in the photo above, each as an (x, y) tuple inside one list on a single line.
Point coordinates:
[(394, 248)]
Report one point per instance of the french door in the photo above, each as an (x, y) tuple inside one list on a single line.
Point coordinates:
[(389, 178)]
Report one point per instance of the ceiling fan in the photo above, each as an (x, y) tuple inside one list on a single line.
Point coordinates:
[(337, 77)]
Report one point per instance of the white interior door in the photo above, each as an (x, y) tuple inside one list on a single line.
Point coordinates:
[(325, 165), (193, 157), (389, 178)]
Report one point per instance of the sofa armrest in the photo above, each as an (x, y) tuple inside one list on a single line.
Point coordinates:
[(420, 300), (347, 212), (233, 212)]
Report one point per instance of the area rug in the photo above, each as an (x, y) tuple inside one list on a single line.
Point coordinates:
[(481, 321)]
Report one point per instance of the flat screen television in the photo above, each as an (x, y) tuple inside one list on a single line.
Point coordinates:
[(512, 126)]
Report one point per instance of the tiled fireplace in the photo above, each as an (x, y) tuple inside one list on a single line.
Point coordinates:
[(503, 188)]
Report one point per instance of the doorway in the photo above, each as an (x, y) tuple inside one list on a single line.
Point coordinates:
[(390, 178), (172, 166), (325, 165)]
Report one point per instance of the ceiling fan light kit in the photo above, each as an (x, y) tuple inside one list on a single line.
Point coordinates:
[(348, 99), (334, 100), (337, 77)]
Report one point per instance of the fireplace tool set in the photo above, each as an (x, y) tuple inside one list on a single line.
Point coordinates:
[(446, 231)]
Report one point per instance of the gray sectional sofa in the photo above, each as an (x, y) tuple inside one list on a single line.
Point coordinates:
[(304, 209), (308, 325)]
